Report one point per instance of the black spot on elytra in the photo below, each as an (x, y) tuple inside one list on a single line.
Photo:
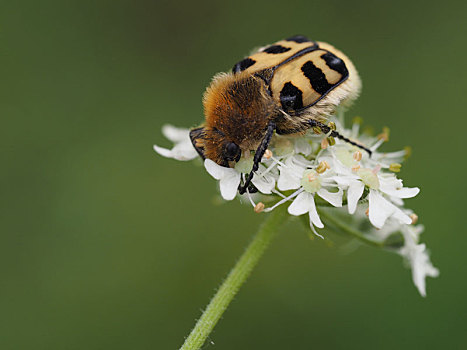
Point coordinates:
[(243, 64), (335, 63), (317, 78), (276, 49), (298, 39), (291, 97)]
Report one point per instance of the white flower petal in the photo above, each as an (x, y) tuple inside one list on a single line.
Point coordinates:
[(402, 217), (290, 174), (301, 204), (179, 152), (417, 256), (405, 192), (183, 149), (397, 201), (335, 198), (214, 169), (354, 193), (314, 217), (229, 185), (163, 151), (175, 134), (265, 184), (421, 267), (287, 181), (381, 209)]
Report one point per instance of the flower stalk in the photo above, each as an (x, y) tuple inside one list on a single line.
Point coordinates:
[(348, 229), (235, 279)]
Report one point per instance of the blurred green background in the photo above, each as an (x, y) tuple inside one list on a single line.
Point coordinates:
[(105, 245)]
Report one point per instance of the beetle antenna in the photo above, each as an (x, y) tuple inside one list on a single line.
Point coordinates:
[(258, 155), (326, 129)]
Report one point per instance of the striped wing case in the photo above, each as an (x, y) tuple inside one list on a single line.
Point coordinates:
[(298, 71)]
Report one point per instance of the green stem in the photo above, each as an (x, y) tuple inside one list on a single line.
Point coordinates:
[(234, 280), (346, 228)]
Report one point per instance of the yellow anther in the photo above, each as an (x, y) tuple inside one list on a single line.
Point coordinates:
[(322, 167), (367, 212), (331, 141), (324, 143), (408, 152), (357, 120), (259, 207), (268, 154), (385, 134), (356, 168), (332, 125), (317, 130), (395, 167), (357, 156), (414, 218)]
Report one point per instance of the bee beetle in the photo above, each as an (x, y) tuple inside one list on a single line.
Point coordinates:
[(287, 88)]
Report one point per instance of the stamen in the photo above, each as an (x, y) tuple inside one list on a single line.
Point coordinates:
[(267, 154), (357, 156), (414, 218), (385, 134), (376, 145), (356, 168), (376, 169), (322, 167), (296, 193), (367, 212), (395, 167), (248, 194), (332, 125), (317, 130), (268, 169), (324, 143), (278, 193), (278, 161), (259, 207), (408, 152), (331, 140), (357, 120)]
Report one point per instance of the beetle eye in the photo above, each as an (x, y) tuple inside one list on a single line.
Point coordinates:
[(231, 150)]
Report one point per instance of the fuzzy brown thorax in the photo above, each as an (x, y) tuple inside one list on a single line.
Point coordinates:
[(237, 109)]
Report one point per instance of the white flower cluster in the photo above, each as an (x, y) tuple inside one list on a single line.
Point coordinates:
[(306, 173)]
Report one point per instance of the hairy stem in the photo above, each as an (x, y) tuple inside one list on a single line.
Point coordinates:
[(237, 276)]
